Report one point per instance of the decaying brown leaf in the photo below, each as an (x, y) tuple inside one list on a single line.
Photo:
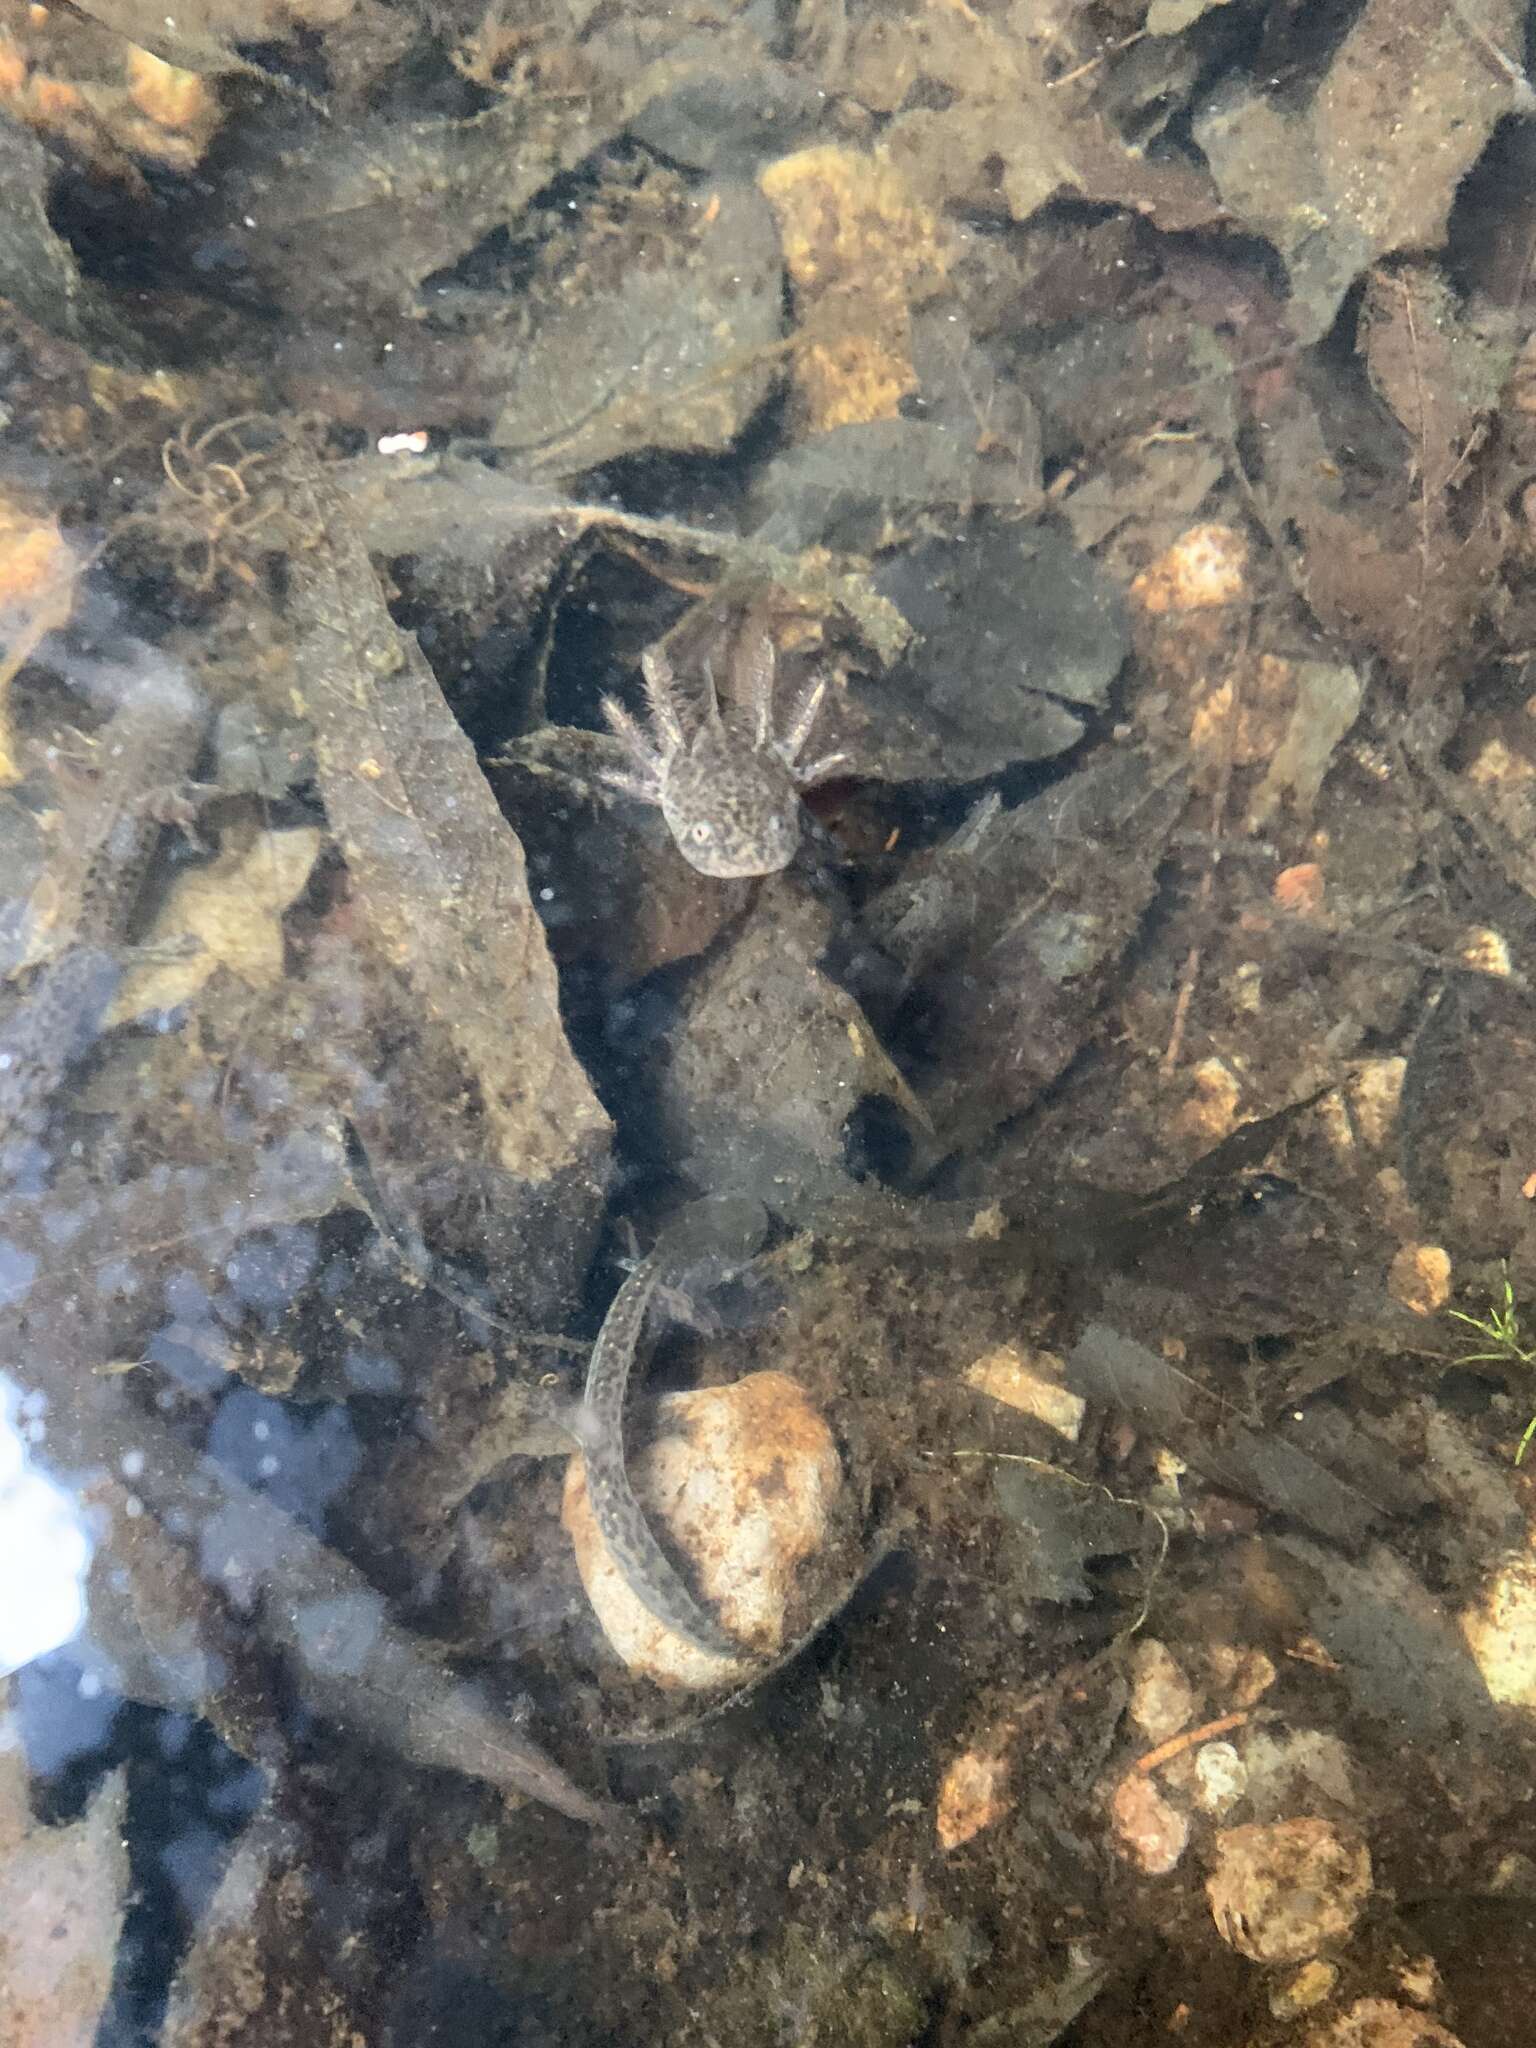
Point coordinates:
[(1327, 702), (981, 123), (1436, 368), (437, 871), (1396, 553), (1040, 909), (258, 1974), (674, 352), (1372, 164), (339, 224)]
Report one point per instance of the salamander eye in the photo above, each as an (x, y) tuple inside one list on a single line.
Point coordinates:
[(701, 833)]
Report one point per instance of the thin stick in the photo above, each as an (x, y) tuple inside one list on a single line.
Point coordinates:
[(1177, 1744), (1418, 391), (1109, 50), (1190, 978), (1525, 94)]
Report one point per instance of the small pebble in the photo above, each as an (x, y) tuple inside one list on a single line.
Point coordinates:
[(1485, 951), (1205, 567), (1150, 1832), (741, 1483), (1420, 1278), (1297, 1769), (1299, 890), (1312, 1983), (1379, 2023), (972, 1795), (1241, 1674), (1283, 1891), (1418, 1978), (1221, 1778), (1500, 1628), (1161, 1701), (1211, 1111)]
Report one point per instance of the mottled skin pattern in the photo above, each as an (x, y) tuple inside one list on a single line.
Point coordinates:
[(708, 1241), (730, 795)]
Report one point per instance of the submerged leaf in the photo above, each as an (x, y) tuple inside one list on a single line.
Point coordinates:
[(678, 353), (1372, 164), (233, 910), (1110, 1367), (438, 872)]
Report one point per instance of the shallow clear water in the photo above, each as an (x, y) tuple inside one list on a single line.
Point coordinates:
[(917, 617)]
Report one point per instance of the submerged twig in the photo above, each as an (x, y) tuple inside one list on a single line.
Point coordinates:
[(1176, 1745)]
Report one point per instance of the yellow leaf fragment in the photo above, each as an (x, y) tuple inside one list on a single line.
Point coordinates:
[(234, 909), (861, 251), (171, 97), (1032, 1382)]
